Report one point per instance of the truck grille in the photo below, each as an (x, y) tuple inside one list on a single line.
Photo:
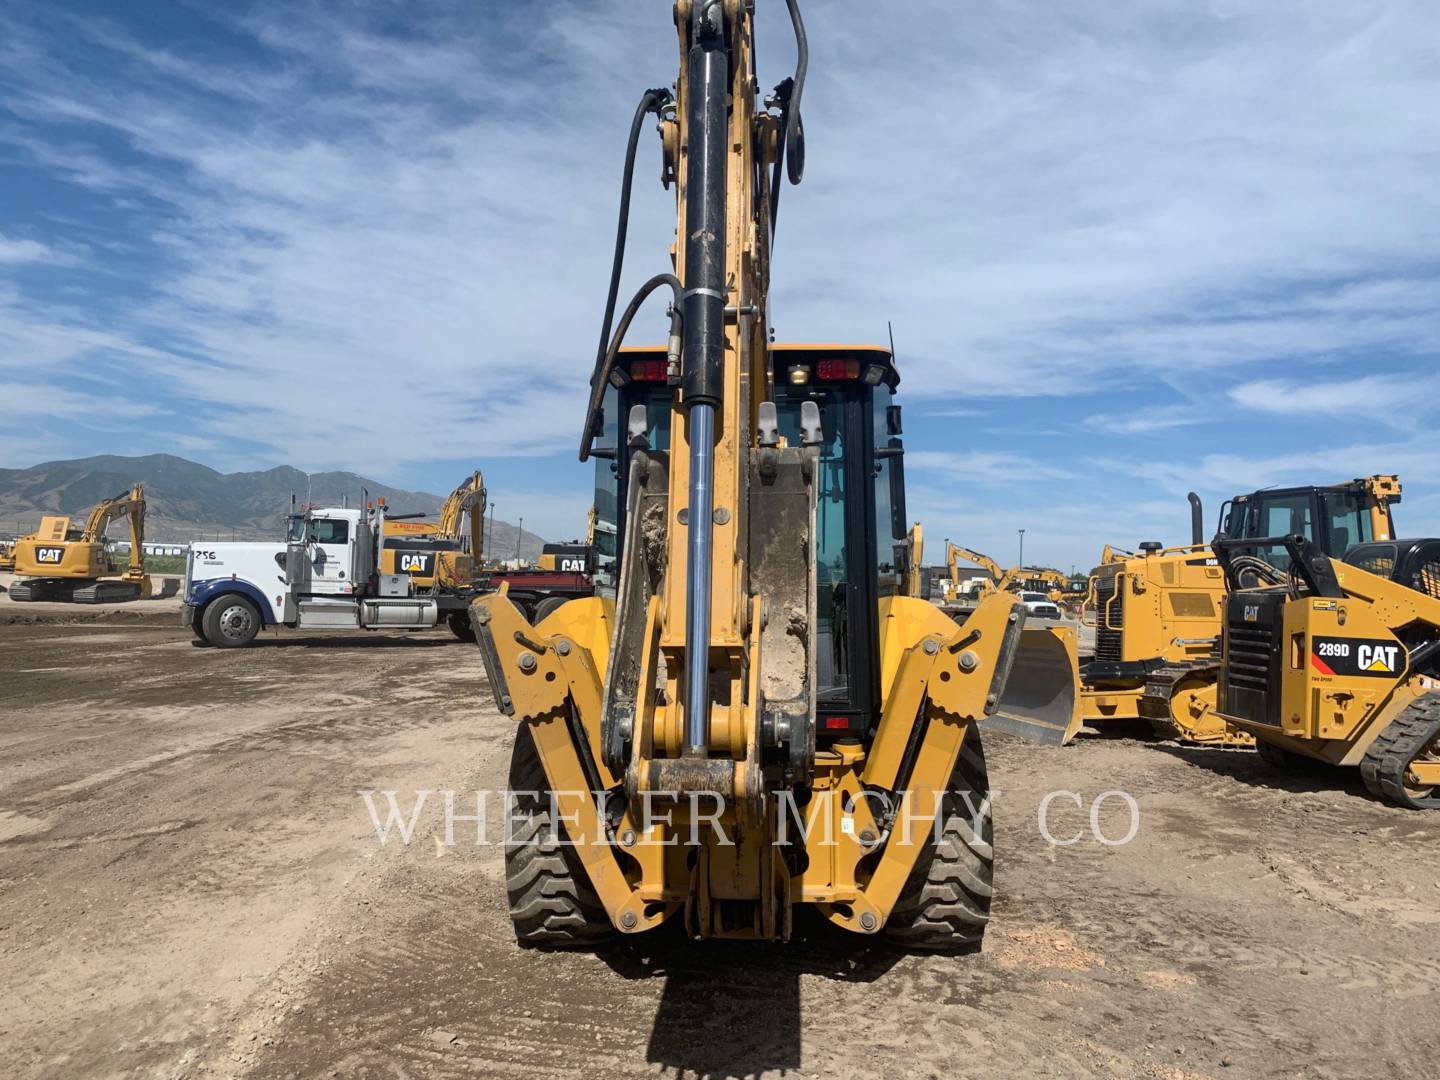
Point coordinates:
[(1109, 620)]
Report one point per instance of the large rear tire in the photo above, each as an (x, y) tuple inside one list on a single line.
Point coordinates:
[(945, 904), (551, 900)]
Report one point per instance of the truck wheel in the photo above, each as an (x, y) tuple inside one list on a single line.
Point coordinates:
[(547, 607), (459, 623), (551, 900), (946, 903), (231, 621)]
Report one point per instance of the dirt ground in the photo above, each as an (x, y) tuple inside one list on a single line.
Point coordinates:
[(191, 886)]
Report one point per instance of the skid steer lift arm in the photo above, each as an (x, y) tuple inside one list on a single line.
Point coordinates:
[(760, 716)]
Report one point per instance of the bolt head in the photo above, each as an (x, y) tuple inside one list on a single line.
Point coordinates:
[(931, 647), (627, 838), (868, 922), (628, 920), (562, 647), (528, 662), (969, 661)]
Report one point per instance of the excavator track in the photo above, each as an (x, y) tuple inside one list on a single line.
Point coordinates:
[(1157, 705), (1413, 734)]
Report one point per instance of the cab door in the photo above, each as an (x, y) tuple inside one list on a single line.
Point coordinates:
[(329, 545)]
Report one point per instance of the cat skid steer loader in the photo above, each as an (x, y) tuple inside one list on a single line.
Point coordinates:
[(760, 717), (1157, 613), (1341, 663)]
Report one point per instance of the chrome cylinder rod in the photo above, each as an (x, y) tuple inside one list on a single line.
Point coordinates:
[(697, 579)]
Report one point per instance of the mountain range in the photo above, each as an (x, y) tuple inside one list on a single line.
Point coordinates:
[(185, 500)]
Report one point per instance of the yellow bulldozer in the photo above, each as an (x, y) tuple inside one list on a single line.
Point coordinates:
[(1339, 663), (1156, 612), (59, 562), (758, 717)]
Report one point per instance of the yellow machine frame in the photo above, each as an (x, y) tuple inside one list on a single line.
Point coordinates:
[(1342, 669)]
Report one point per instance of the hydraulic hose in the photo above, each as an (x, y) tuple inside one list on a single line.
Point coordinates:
[(650, 101), (791, 153), (606, 363)]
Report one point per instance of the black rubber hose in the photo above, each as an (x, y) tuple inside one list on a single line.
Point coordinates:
[(607, 359), (650, 101), (790, 157), (794, 130)]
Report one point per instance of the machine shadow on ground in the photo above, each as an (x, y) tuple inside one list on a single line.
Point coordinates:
[(1245, 766), (347, 643), (733, 1008)]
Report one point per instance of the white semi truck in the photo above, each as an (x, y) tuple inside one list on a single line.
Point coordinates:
[(324, 576)]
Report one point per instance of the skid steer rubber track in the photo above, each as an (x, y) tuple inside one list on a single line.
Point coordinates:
[(1414, 733), (946, 903), (551, 901)]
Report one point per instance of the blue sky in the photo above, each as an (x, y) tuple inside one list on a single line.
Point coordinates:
[(1129, 249)]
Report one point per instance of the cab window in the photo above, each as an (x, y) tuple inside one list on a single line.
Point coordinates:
[(832, 569), (1348, 519), (329, 531)]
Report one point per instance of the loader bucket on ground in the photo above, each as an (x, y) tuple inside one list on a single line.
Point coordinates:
[(1041, 701)]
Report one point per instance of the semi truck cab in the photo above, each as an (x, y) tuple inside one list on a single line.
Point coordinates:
[(325, 575)]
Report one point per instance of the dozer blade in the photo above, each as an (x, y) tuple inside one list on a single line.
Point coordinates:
[(1041, 701)]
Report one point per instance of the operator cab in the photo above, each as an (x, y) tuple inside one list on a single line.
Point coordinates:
[(861, 528), (1332, 518)]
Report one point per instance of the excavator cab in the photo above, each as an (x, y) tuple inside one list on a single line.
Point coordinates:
[(861, 531)]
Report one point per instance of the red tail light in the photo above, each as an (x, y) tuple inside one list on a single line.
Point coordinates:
[(648, 371), (838, 369), (836, 723)]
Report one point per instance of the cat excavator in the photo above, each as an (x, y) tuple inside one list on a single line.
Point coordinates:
[(440, 554), (759, 716), (61, 563)]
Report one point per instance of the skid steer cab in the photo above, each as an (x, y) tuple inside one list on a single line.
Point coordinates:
[(326, 575), (1341, 663)]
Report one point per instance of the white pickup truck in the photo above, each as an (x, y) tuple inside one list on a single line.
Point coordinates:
[(323, 576)]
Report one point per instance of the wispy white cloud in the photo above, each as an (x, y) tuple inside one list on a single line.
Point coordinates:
[(1370, 396), (1147, 418), (23, 251)]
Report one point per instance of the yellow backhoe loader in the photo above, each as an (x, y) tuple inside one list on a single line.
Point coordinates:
[(1341, 663), (58, 562), (1157, 612), (759, 717)]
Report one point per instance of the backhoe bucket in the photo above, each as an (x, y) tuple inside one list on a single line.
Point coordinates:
[(1041, 701)]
